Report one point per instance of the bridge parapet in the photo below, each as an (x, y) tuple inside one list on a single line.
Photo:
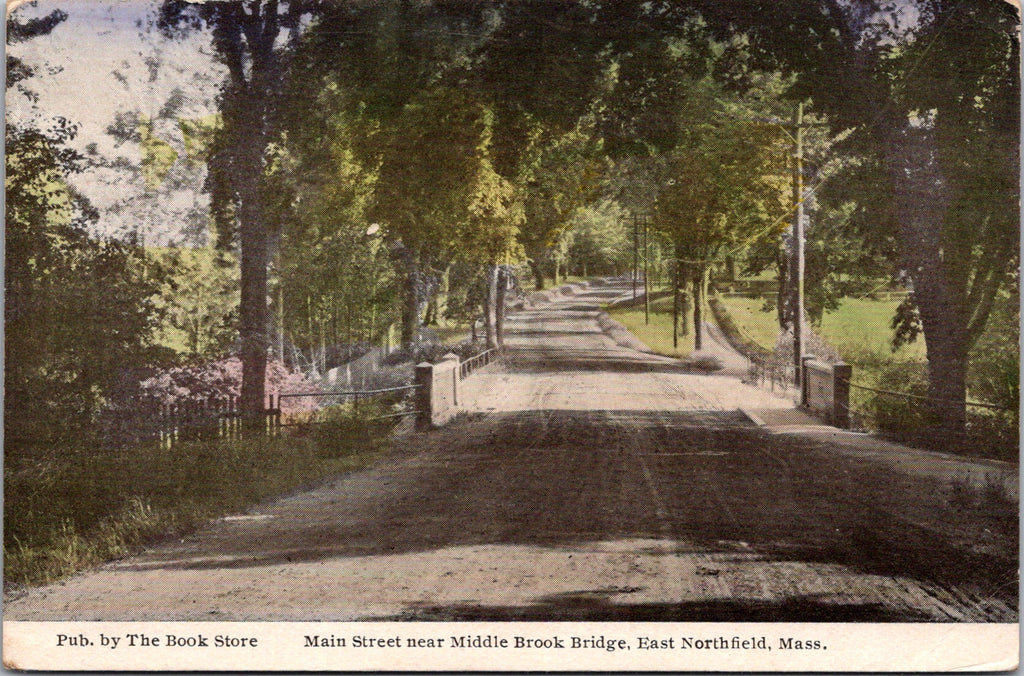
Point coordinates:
[(438, 391), (825, 390)]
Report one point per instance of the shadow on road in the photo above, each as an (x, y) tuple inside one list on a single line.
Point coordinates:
[(562, 479), (590, 606)]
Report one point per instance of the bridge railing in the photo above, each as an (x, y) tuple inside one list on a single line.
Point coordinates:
[(467, 366), (437, 399)]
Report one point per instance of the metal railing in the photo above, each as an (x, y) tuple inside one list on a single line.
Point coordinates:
[(357, 398), (776, 373), (951, 402), (467, 366)]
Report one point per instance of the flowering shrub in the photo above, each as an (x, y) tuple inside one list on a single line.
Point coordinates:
[(223, 378)]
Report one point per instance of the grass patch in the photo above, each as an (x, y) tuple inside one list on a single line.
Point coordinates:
[(658, 334), (861, 327), (70, 508), (452, 332), (754, 322)]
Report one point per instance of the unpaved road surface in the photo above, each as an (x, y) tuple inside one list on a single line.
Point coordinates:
[(588, 481)]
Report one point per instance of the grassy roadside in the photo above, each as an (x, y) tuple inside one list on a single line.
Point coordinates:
[(452, 332), (863, 327), (859, 329), (658, 334), (75, 507), (759, 326)]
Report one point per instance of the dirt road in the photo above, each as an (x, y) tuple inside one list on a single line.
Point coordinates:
[(588, 481)]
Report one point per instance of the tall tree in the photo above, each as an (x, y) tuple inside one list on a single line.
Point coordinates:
[(438, 191), (557, 178), (255, 40), (933, 90)]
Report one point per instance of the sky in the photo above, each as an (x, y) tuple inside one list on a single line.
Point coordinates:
[(75, 78)]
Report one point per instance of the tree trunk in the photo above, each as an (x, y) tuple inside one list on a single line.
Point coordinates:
[(698, 312), (253, 307), (490, 306), (499, 306), (686, 307), (729, 273), (437, 303), (279, 334), (947, 375), (246, 39), (782, 294), (922, 201), (538, 274), (430, 319), (410, 300), (675, 306)]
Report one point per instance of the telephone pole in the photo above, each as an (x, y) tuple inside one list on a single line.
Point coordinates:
[(636, 253), (647, 287), (798, 234), (797, 125)]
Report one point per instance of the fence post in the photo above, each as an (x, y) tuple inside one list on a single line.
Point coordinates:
[(841, 375), (424, 384)]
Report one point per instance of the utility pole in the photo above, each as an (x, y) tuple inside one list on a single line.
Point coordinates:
[(647, 288), (798, 233), (636, 247), (797, 125)]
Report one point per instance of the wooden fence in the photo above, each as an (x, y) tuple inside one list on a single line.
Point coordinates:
[(223, 418), (214, 418), (172, 424)]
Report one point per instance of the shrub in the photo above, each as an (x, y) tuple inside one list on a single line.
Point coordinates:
[(339, 429), (900, 416), (221, 379), (994, 368)]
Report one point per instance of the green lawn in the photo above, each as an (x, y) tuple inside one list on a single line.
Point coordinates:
[(860, 327), (452, 332), (761, 327), (658, 334)]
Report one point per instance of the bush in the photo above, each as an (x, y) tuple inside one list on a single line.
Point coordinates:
[(221, 379), (340, 429), (899, 416), (994, 369), (989, 433)]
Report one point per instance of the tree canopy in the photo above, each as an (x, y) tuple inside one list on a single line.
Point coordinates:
[(369, 158)]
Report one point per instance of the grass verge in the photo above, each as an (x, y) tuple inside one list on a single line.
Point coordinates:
[(754, 322), (66, 509), (453, 332), (658, 334)]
